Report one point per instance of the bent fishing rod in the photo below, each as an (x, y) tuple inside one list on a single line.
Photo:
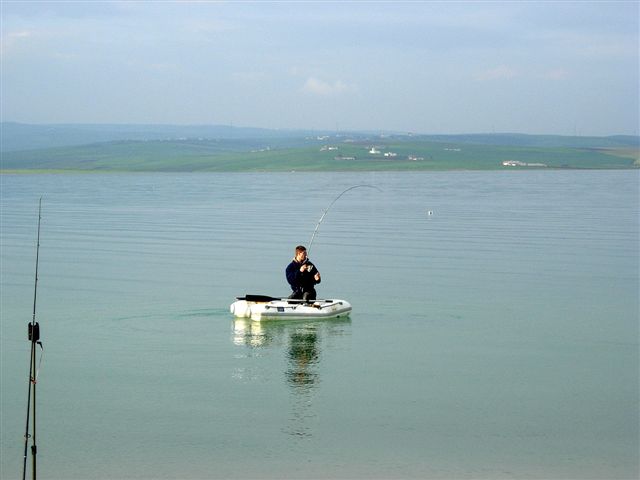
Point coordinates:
[(34, 338), (330, 205)]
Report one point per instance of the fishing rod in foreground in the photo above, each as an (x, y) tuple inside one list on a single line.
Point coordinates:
[(330, 205), (34, 338)]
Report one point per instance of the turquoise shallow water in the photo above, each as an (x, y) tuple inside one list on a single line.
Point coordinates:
[(495, 338)]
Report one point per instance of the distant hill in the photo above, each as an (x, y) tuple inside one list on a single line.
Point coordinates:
[(338, 154), (523, 140), (167, 148), (21, 136)]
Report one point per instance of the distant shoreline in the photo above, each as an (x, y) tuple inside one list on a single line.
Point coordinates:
[(146, 172), (95, 149)]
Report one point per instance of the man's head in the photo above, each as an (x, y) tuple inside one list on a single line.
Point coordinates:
[(301, 253)]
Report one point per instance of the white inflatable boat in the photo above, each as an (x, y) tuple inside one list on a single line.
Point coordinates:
[(262, 307)]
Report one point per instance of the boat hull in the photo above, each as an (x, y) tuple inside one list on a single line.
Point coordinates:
[(285, 309)]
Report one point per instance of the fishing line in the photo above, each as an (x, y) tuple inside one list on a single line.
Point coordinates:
[(35, 377), (330, 205)]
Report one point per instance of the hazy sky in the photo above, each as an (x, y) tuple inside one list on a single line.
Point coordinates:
[(427, 67)]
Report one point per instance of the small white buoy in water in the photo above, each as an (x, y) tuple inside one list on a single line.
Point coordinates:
[(430, 212)]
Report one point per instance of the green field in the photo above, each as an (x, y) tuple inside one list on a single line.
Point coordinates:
[(304, 154)]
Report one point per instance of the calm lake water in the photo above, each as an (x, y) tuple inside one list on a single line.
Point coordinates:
[(495, 338)]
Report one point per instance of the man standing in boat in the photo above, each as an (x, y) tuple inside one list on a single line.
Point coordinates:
[(302, 275)]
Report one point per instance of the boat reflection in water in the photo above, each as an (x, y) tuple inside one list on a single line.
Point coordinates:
[(303, 356), (303, 345)]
